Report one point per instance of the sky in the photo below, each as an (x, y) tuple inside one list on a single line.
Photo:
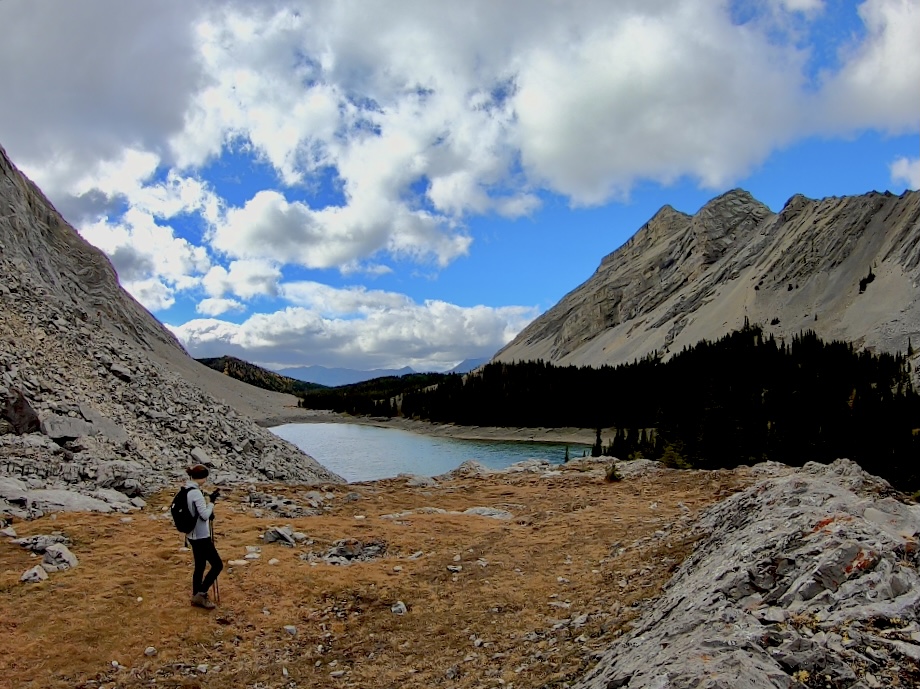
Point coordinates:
[(410, 182)]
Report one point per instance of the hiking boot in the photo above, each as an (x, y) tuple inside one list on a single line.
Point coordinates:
[(200, 600)]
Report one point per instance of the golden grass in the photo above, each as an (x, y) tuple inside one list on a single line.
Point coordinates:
[(490, 623)]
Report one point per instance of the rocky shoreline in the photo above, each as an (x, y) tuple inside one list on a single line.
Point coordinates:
[(575, 436)]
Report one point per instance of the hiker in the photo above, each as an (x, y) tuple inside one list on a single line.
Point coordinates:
[(200, 537)]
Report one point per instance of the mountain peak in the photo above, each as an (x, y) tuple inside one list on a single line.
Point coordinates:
[(683, 278), (733, 203)]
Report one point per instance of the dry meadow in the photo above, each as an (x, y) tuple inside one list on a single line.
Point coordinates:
[(526, 601)]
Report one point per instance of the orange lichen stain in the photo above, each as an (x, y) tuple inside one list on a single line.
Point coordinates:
[(862, 562), (830, 520)]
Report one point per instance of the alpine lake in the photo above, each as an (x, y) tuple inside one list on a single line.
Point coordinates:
[(366, 453)]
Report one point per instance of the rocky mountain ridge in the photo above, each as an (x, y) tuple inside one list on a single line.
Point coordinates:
[(847, 268), (94, 392)]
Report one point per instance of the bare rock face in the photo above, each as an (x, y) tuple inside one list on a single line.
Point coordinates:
[(847, 268), (93, 389), (809, 579)]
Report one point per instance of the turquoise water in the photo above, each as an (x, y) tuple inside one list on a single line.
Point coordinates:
[(365, 453)]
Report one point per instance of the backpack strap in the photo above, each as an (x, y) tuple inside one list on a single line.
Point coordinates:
[(193, 508)]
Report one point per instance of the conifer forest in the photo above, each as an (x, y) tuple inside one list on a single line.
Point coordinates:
[(742, 399)]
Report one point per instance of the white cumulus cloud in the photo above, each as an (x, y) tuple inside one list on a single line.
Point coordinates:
[(215, 306), (268, 227), (906, 171), (245, 279), (879, 83), (369, 330)]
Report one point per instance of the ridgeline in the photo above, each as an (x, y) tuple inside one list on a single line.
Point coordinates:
[(258, 376)]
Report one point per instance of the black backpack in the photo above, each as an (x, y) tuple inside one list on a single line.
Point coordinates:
[(182, 516)]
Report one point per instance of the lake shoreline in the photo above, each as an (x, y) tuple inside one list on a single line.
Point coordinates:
[(576, 436)]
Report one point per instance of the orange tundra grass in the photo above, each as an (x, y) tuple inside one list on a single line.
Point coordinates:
[(493, 620)]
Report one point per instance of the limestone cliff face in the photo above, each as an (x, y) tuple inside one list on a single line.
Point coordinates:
[(95, 393), (36, 239), (847, 268)]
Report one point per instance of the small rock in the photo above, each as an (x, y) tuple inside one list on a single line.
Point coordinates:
[(34, 575), (290, 629), (203, 668), (59, 556), (274, 561), (489, 512), (774, 615), (399, 608), (150, 651)]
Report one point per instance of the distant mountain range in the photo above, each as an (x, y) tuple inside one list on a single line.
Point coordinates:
[(334, 377)]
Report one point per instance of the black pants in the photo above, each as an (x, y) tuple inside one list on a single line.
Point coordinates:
[(205, 553)]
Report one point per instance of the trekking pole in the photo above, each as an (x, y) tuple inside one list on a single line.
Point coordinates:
[(214, 586)]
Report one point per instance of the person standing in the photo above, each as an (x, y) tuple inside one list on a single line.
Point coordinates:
[(200, 537)]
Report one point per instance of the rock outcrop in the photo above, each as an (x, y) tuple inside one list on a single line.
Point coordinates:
[(94, 391), (811, 579), (847, 268)]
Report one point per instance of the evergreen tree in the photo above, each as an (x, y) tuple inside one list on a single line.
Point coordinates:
[(596, 450)]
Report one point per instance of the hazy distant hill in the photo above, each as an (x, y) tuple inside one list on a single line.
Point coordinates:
[(258, 376), (847, 268), (468, 365), (333, 377)]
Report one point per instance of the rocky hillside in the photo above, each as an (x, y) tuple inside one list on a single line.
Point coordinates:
[(94, 391), (847, 268), (804, 580)]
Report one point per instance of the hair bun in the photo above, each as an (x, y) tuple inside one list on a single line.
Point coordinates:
[(197, 471)]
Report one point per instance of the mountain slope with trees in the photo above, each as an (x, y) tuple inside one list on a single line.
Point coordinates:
[(258, 376)]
